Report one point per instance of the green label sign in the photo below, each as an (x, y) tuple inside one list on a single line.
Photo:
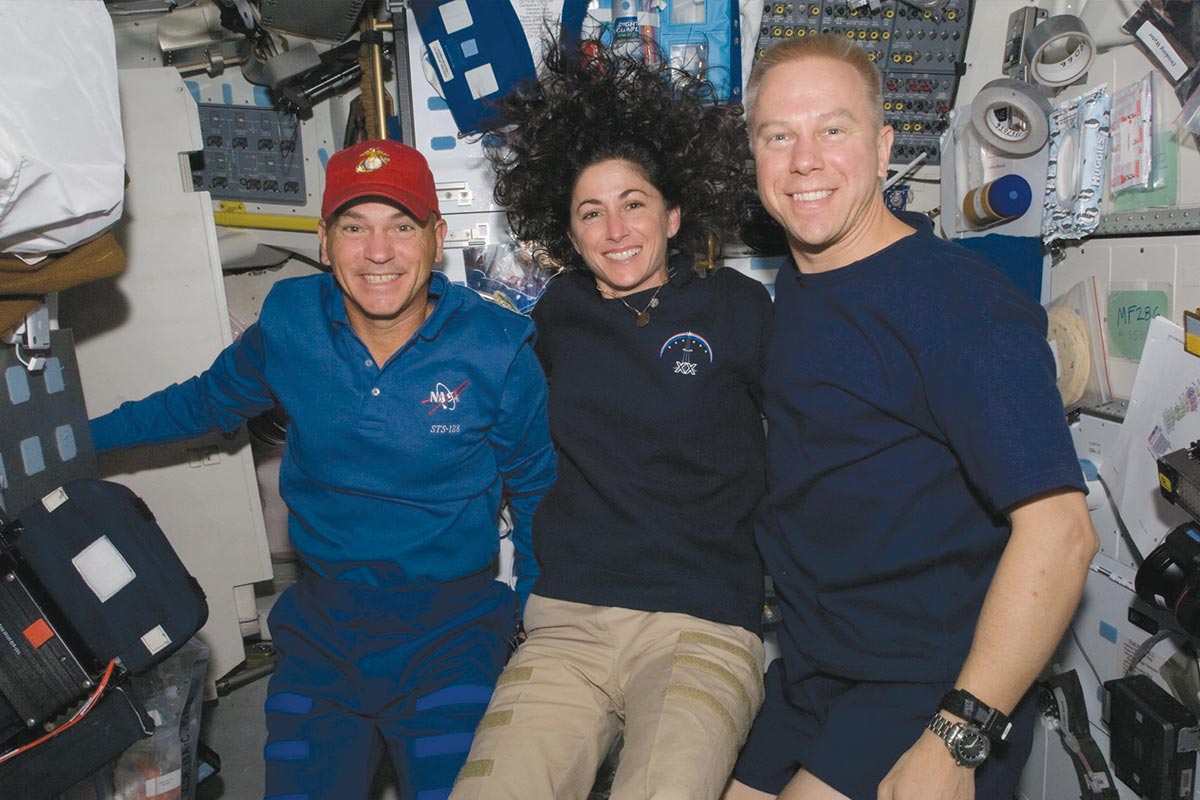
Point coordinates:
[(1129, 315)]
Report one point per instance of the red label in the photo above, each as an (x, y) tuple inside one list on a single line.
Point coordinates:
[(39, 633)]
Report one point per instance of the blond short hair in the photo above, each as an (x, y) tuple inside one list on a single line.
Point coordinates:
[(823, 45)]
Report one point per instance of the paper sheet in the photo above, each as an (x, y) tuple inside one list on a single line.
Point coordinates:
[(1164, 415)]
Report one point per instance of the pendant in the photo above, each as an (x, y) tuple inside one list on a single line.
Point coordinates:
[(643, 319)]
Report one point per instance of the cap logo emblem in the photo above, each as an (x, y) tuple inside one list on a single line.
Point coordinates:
[(372, 159)]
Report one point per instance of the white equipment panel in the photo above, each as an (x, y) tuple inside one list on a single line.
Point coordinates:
[(162, 321)]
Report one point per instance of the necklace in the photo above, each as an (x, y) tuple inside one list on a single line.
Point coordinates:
[(641, 318)]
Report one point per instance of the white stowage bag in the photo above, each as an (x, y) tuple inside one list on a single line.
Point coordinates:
[(62, 158)]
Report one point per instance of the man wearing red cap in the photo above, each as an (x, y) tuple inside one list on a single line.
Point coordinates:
[(415, 407)]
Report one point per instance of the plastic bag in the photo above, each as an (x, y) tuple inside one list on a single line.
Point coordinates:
[(60, 184), (1076, 335), (1078, 158), (1132, 150), (163, 766), (507, 274)]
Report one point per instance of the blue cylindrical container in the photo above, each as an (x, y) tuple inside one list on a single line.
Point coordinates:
[(1003, 199)]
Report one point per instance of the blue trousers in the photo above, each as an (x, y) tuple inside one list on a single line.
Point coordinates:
[(362, 670)]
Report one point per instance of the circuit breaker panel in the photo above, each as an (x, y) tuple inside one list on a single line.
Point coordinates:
[(250, 154), (920, 52)]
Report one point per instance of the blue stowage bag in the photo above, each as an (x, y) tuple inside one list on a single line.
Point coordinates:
[(700, 36), (478, 49)]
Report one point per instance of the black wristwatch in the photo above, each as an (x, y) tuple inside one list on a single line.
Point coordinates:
[(966, 743), (988, 720)]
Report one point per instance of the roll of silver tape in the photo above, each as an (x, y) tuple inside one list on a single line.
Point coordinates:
[(1059, 51), (1011, 117)]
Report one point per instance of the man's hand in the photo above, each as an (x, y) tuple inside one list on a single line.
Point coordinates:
[(927, 772)]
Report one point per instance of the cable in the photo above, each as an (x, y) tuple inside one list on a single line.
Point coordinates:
[(1068, 736), (119, 10), (34, 364), (80, 714), (1086, 657), (907, 168), (17, 345), (1125, 534), (1062, 697), (1144, 649)]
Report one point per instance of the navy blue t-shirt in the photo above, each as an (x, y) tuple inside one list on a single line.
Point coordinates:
[(911, 401)]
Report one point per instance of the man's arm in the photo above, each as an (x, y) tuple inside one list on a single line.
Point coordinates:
[(1032, 598), (229, 392), (525, 456)]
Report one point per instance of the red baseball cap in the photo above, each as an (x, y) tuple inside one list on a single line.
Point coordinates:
[(380, 168)]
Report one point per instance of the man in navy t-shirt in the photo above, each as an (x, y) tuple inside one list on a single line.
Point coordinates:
[(925, 526)]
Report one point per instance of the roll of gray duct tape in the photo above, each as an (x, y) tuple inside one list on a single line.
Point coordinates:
[(1011, 116), (1059, 51)]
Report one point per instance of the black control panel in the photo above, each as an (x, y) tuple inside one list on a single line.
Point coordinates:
[(920, 53), (250, 154)]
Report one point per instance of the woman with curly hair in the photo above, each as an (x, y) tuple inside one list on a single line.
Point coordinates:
[(645, 615)]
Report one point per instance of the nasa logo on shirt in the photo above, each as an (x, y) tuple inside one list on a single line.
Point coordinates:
[(689, 351), (444, 399)]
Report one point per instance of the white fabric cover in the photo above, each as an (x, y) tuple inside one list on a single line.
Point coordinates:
[(62, 158)]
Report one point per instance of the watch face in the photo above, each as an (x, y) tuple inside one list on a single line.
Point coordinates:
[(972, 747)]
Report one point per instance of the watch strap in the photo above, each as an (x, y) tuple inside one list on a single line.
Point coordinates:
[(991, 722), (941, 726)]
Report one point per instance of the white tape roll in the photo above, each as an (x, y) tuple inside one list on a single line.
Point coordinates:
[(1059, 51), (1011, 116)]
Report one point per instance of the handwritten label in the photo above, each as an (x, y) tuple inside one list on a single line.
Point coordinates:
[(1158, 45), (1129, 315)]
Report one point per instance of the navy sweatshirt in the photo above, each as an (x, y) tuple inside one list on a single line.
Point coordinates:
[(660, 444)]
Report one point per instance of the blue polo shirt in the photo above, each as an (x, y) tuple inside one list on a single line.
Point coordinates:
[(393, 474)]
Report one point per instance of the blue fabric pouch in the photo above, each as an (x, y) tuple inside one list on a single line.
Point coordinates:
[(479, 50), (700, 36)]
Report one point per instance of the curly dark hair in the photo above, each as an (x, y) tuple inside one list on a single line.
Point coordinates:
[(592, 104)]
